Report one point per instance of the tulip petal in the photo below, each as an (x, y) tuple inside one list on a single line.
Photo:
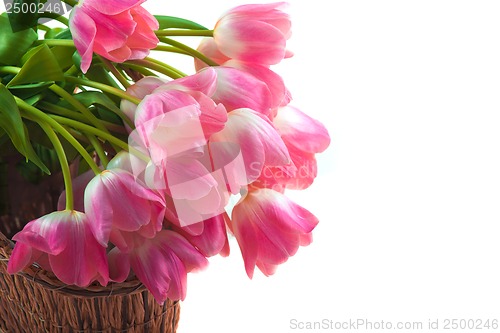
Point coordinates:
[(84, 32), (300, 131), (237, 89), (259, 142)]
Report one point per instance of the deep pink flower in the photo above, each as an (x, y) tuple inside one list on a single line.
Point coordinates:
[(118, 30), (63, 243), (211, 239), (161, 263), (269, 229), (116, 202), (254, 33)]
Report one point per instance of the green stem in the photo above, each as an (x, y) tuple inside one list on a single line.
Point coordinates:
[(118, 75), (156, 67), (43, 27), (184, 32), (168, 48), (9, 70), (56, 42), (104, 87), (138, 68), (56, 17), (78, 105), (158, 62), (189, 50), (63, 161), (60, 111), (99, 150), (92, 130), (33, 113)]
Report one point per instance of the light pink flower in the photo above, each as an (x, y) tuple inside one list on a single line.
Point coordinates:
[(269, 229), (140, 89), (300, 131), (237, 89), (280, 95), (118, 30), (161, 263), (303, 137), (61, 242), (258, 140), (209, 48), (254, 33), (116, 202), (178, 117)]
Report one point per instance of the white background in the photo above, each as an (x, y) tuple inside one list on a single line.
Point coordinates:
[(408, 194)]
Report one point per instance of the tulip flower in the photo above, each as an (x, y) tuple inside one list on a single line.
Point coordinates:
[(237, 89), (254, 33), (116, 202), (161, 263), (211, 239), (258, 140), (269, 229), (304, 137), (63, 243), (279, 94), (118, 30)]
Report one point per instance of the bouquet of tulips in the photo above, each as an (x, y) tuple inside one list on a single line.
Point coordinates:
[(158, 166)]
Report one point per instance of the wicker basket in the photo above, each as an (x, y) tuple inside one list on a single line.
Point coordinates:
[(36, 301)]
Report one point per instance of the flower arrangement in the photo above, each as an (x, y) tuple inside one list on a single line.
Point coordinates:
[(152, 157)]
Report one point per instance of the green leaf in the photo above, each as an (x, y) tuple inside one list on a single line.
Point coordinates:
[(99, 74), (40, 65), (53, 33), (96, 98), (64, 34), (12, 123), (14, 44), (64, 56), (26, 91), (31, 172), (24, 14), (169, 22)]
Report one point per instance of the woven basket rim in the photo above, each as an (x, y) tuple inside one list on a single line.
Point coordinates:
[(49, 281)]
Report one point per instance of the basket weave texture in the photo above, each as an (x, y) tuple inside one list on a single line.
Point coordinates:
[(36, 301)]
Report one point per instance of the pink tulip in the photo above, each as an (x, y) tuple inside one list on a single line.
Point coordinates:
[(212, 240), (300, 131), (79, 184), (118, 30), (237, 89), (303, 137), (140, 89), (161, 263), (62, 242), (115, 202), (258, 140), (280, 95), (209, 48), (254, 33), (269, 229)]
